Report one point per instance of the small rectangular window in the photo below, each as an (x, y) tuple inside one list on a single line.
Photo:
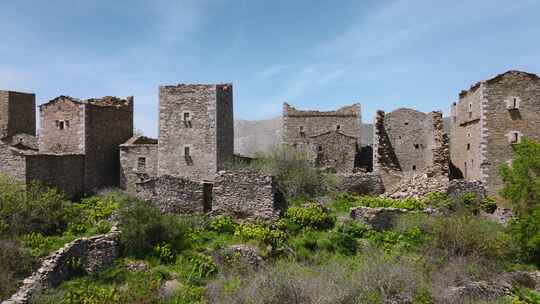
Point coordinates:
[(468, 147), (302, 133), (67, 123), (186, 116), (416, 146), (61, 125), (141, 164), (187, 152)]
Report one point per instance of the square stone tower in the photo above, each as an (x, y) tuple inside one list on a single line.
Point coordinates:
[(489, 120), (94, 128), (17, 113), (196, 130)]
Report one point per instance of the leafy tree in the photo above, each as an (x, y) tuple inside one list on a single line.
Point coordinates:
[(522, 188)]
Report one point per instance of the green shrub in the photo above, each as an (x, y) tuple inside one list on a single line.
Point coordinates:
[(16, 263), (203, 266), (526, 231), (488, 205), (35, 208), (466, 235), (294, 172), (310, 216), (522, 188), (261, 233), (345, 201), (164, 253), (222, 224), (438, 200), (143, 227)]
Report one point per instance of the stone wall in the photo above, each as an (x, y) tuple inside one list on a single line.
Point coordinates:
[(175, 194), (64, 172), (299, 125), (385, 162), (90, 254), (362, 183), (207, 135), (465, 134), (12, 162), (335, 151), (246, 195), (62, 126), (108, 124), (482, 124), (17, 113), (440, 148), (138, 162), (499, 121)]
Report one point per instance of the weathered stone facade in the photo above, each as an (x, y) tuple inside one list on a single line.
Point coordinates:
[(325, 133), (138, 161), (92, 127), (172, 194), (362, 183), (488, 120), (17, 113), (246, 195), (407, 142), (196, 130), (92, 254)]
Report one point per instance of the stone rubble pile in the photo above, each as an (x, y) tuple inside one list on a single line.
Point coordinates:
[(418, 185)]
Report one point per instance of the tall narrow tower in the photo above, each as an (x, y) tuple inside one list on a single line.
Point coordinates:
[(17, 113), (196, 130)]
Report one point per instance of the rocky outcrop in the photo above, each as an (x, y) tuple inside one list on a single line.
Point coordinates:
[(87, 255)]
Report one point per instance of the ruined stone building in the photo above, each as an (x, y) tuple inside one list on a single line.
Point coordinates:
[(77, 150), (332, 136), (488, 120), (182, 171), (407, 141)]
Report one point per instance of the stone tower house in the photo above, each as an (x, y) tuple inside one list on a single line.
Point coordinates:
[(332, 137), (17, 113), (196, 130), (488, 120), (94, 128)]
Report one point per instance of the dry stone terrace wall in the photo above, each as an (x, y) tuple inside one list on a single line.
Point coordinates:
[(299, 125), (175, 194), (92, 254), (196, 132), (246, 195)]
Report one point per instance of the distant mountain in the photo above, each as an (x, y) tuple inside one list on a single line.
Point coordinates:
[(255, 136)]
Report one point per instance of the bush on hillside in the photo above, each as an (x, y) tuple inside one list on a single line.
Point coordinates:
[(345, 201), (143, 227), (294, 171), (309, 215), (15, 263), (34, 208)]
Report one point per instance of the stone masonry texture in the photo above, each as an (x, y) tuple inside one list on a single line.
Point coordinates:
[(94, 128), (138, 162), (325, 132), (17, 113), (483, 125), (196, 130), (246, 195)]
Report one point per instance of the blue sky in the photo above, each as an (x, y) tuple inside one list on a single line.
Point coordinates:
[(313, 54)]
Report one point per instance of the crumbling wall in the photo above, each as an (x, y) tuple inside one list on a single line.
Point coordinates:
[(12, 162), (246, 195), (298, 125), (85, 254), (385, 162), (174, 194), (440, 147), (138, 162), (206, 136)]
